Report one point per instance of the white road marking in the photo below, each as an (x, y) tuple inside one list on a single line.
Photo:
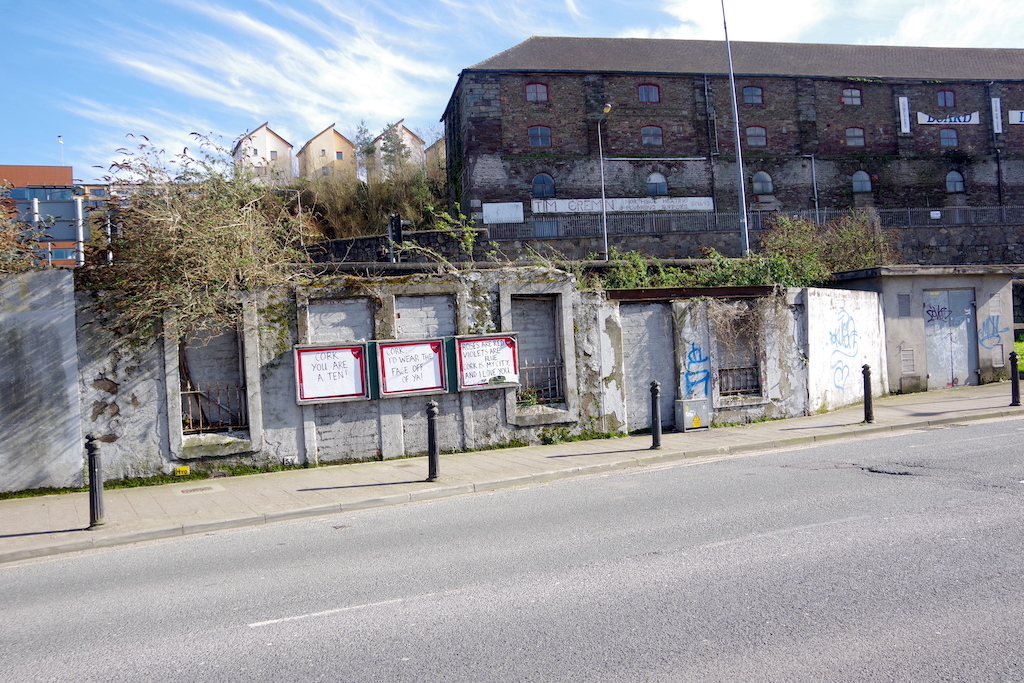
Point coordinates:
[(324, 613)]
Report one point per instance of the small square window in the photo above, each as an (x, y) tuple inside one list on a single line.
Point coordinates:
[(536, 92), (752, 95), (273, 154), (903, 305), (323, 152), (947, 98), (540, 136), (255, 152), (757, 136), (851, 96), (854, 137), (651, 135), (649, 93), (948, 138), (339, 155)]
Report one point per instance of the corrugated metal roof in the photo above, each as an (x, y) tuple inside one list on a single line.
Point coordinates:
[(642, 55)]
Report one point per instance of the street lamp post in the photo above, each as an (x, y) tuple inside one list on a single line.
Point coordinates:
[(600, 153), (740, 181)]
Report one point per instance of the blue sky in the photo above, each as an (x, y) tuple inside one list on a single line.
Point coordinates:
[(94, 71)]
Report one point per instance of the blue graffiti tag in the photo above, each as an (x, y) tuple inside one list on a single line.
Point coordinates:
[(844, 340), (697, 378), (990, 332)]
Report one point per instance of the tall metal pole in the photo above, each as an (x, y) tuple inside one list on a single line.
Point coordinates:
[(741, 184), (600, 154)]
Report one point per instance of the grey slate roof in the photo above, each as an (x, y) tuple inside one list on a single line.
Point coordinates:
[(642, 55)]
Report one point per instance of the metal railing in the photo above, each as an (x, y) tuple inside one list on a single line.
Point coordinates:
[(568, 226), (215, 407), (540, 381), (739, 381)]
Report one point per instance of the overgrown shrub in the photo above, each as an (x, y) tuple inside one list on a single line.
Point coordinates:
[(192, 231)]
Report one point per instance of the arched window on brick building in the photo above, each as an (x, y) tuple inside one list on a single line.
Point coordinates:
[(762, 183), (954, 182), (861, 182), (657, 185), (543, 186)]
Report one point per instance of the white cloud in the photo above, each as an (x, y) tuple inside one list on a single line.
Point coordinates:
[(948, 23), (747, 19)]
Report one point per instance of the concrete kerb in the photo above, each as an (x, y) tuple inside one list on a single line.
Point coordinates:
[(639, 459)]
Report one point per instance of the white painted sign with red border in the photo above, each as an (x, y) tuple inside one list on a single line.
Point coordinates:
[(487, 361), (411, 367), (334, 372)]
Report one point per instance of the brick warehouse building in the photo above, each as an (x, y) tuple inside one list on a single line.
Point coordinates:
[(822, 127)]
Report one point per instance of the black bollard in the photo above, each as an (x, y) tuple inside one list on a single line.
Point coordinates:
[(1014, 380), (869, 410), (95, 482), (655, 415), (433, 456)]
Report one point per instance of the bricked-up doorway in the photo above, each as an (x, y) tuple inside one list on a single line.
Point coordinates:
[(541, 365), (648, 342)]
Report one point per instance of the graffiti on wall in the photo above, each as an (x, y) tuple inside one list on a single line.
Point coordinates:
[(990, 331), (936, 313), (843, 341), (698, 373)]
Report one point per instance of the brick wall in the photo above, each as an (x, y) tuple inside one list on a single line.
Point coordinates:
[(801, 116), (340, 320), (534, 318), (424, 316)]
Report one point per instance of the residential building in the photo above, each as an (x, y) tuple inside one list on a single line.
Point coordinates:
[(266, 152), (382, 159), (327, 153)]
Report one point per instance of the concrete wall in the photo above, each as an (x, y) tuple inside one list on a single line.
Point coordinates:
[(610, 351), (845, 331), (990, 338), (40, 425)]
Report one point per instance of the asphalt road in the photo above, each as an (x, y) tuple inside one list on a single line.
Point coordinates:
[(889, 559)]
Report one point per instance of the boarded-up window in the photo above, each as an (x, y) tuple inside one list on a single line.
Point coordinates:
[(541, 366), (738, 344), (337, 320), (212, 380), (421, 317)]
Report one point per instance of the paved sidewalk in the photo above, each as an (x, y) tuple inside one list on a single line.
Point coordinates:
[(47, 525)]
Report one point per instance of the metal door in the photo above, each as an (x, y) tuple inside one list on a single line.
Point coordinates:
[(951, 334)]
